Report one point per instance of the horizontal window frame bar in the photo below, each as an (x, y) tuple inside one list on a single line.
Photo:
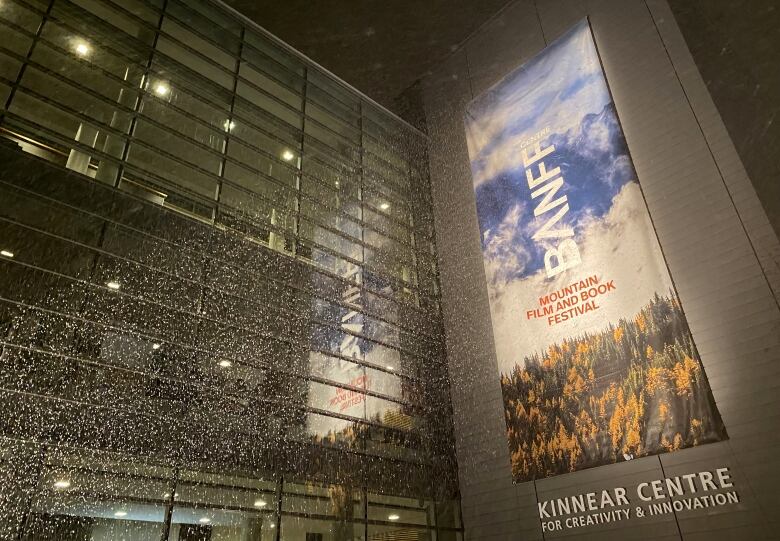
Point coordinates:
[(427, 339), (88, 405), (245, 330), (128, 407), (397, 301)]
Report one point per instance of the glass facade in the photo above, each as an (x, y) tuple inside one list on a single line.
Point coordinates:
[(219, 309)]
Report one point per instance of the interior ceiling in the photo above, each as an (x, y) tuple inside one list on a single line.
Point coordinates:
[(381, 47)]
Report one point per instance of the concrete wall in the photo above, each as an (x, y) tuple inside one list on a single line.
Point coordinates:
[(735, 44), (722, 253)]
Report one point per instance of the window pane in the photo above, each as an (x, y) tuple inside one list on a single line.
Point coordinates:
[(400, 532), (20, 15), (328, 91), (220, 506), (259, 197), (398, 509), (171, 82), (192, 60), (218, 26), (112, 18), (325, 200), (268, 84), (268, 103), (161, 166), (194, 118), (448, 513), (273, 53), (99, 497), (266, 128), (307, 529), (339, 244), (14, 40), (264, 164), (339, 501), (329, 431), (201, 523)]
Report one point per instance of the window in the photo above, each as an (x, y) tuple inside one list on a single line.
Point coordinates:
[(238, 268)]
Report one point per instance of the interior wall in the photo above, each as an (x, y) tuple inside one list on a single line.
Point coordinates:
[(721, 250)]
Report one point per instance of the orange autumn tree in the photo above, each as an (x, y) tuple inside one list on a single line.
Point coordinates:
[(632, 390)]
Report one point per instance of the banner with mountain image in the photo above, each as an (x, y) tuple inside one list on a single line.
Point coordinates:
[(596, 360)]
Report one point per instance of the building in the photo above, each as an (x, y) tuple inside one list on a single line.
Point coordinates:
[(239, 300), (219, 303), (718, 246)]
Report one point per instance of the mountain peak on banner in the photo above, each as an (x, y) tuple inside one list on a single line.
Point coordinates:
[(594, 161)]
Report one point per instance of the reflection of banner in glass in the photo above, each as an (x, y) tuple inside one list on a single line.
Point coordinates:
[(343, 338), (597, 363)]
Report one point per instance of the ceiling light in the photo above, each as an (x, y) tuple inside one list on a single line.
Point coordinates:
[(166, 495), (224, 363), (390, 367), (287, 155), (82, 49), (62, 483), (337, 184), (161, 89), (155, 346), (205, 520), (384, 206), (273, 525), (393, 517), (113, 285), (6, 253), (260, 503), (120, 514), (229, 125)]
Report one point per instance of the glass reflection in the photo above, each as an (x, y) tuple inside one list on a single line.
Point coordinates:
[(228, 273)]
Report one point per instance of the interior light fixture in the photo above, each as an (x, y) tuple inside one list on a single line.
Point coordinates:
[(260, 503), (155, 346), (204, 520), (384, 206), (393, 517), (273, 525), (229, 125), (7, 253), (287, 155), (82, 49), (390, 367), (120, 513), (224, 363), (113, 285), (161, 89), (62, 484)]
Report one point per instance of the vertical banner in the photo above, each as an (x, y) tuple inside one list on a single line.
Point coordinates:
[(596, 360)]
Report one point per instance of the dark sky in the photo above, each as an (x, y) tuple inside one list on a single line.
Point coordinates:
[(380, 47)]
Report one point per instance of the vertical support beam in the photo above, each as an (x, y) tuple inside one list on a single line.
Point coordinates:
[(169, 506), (299, 174), (27, 58), (365, 513), (141, 93), (279, 493), (229, 124)]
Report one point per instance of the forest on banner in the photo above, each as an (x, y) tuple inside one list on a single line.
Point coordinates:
[(634, 389)]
